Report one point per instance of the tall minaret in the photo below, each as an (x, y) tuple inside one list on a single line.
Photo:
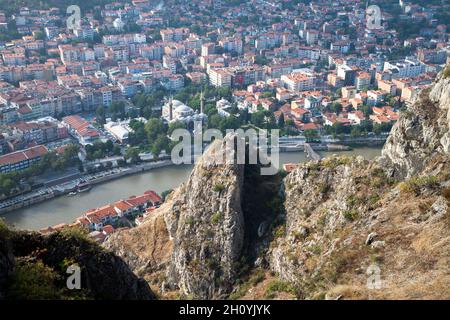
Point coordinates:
[(170, 108)]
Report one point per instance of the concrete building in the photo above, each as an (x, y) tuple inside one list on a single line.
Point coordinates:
[(21, 160)]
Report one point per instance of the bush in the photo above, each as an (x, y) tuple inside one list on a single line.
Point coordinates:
[(415, 184), (78, 233), (218, 187), (334, 162), (257, 277), (32, 281), (279, 232), (351, 215), (314, 249), (216, 217), (165, 193), (447, 72), (279, 286)]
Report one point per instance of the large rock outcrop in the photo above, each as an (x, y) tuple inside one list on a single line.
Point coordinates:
[(202, 236), (421, 133)]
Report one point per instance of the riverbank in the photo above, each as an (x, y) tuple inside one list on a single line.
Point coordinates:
[(47, 193)]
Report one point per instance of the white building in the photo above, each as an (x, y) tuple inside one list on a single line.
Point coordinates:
[(219, 77), (223, 107), (174, 110), (120, 130), (407, 68), (298, 82)]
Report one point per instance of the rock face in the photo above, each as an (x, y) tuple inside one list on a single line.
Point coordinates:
[(206, 224), (204, 232), (421, 132), (347, 218), (33, 266)]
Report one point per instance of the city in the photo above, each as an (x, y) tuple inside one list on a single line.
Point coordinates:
[(90, 93)]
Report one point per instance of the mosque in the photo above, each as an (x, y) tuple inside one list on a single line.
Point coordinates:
[(175, 110)]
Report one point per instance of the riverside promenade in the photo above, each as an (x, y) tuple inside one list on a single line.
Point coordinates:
[(50, 192)]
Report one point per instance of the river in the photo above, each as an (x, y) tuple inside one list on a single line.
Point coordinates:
[(66, 209)]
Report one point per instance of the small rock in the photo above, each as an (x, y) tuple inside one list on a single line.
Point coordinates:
[(378, 244), (370, 238), (258, 262)]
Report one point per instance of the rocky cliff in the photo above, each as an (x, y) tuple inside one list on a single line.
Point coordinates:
[(339, 228), (33, 266), (421, 133), (194, 243), (374, 229), (202, 234)]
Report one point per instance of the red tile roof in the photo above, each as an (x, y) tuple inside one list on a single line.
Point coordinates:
[(18, 156)]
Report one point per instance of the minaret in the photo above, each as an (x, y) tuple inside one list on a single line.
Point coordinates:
[(170, 109)]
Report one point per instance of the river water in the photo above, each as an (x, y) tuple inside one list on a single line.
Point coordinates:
[(66, 209)]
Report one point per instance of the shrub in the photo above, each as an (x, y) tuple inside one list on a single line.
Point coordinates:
[(334, 162), (353, 200), (216, 217), (218, 187), (447, 72), (414, 184), (373, 199), (257, 277), (351, 215), (321, 221), (166, 193), (33, 280), (323, 187), (279, 286), (78, 233), (314, 249), (279, 232)]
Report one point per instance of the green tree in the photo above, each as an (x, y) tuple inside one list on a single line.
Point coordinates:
[(161, 143), (176, 125), (132, 154), (100, 115), (154, 127)]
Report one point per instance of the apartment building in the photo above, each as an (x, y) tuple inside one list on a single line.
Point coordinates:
[(298, 82), (407, 68), (220, 77), (21, 160)]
